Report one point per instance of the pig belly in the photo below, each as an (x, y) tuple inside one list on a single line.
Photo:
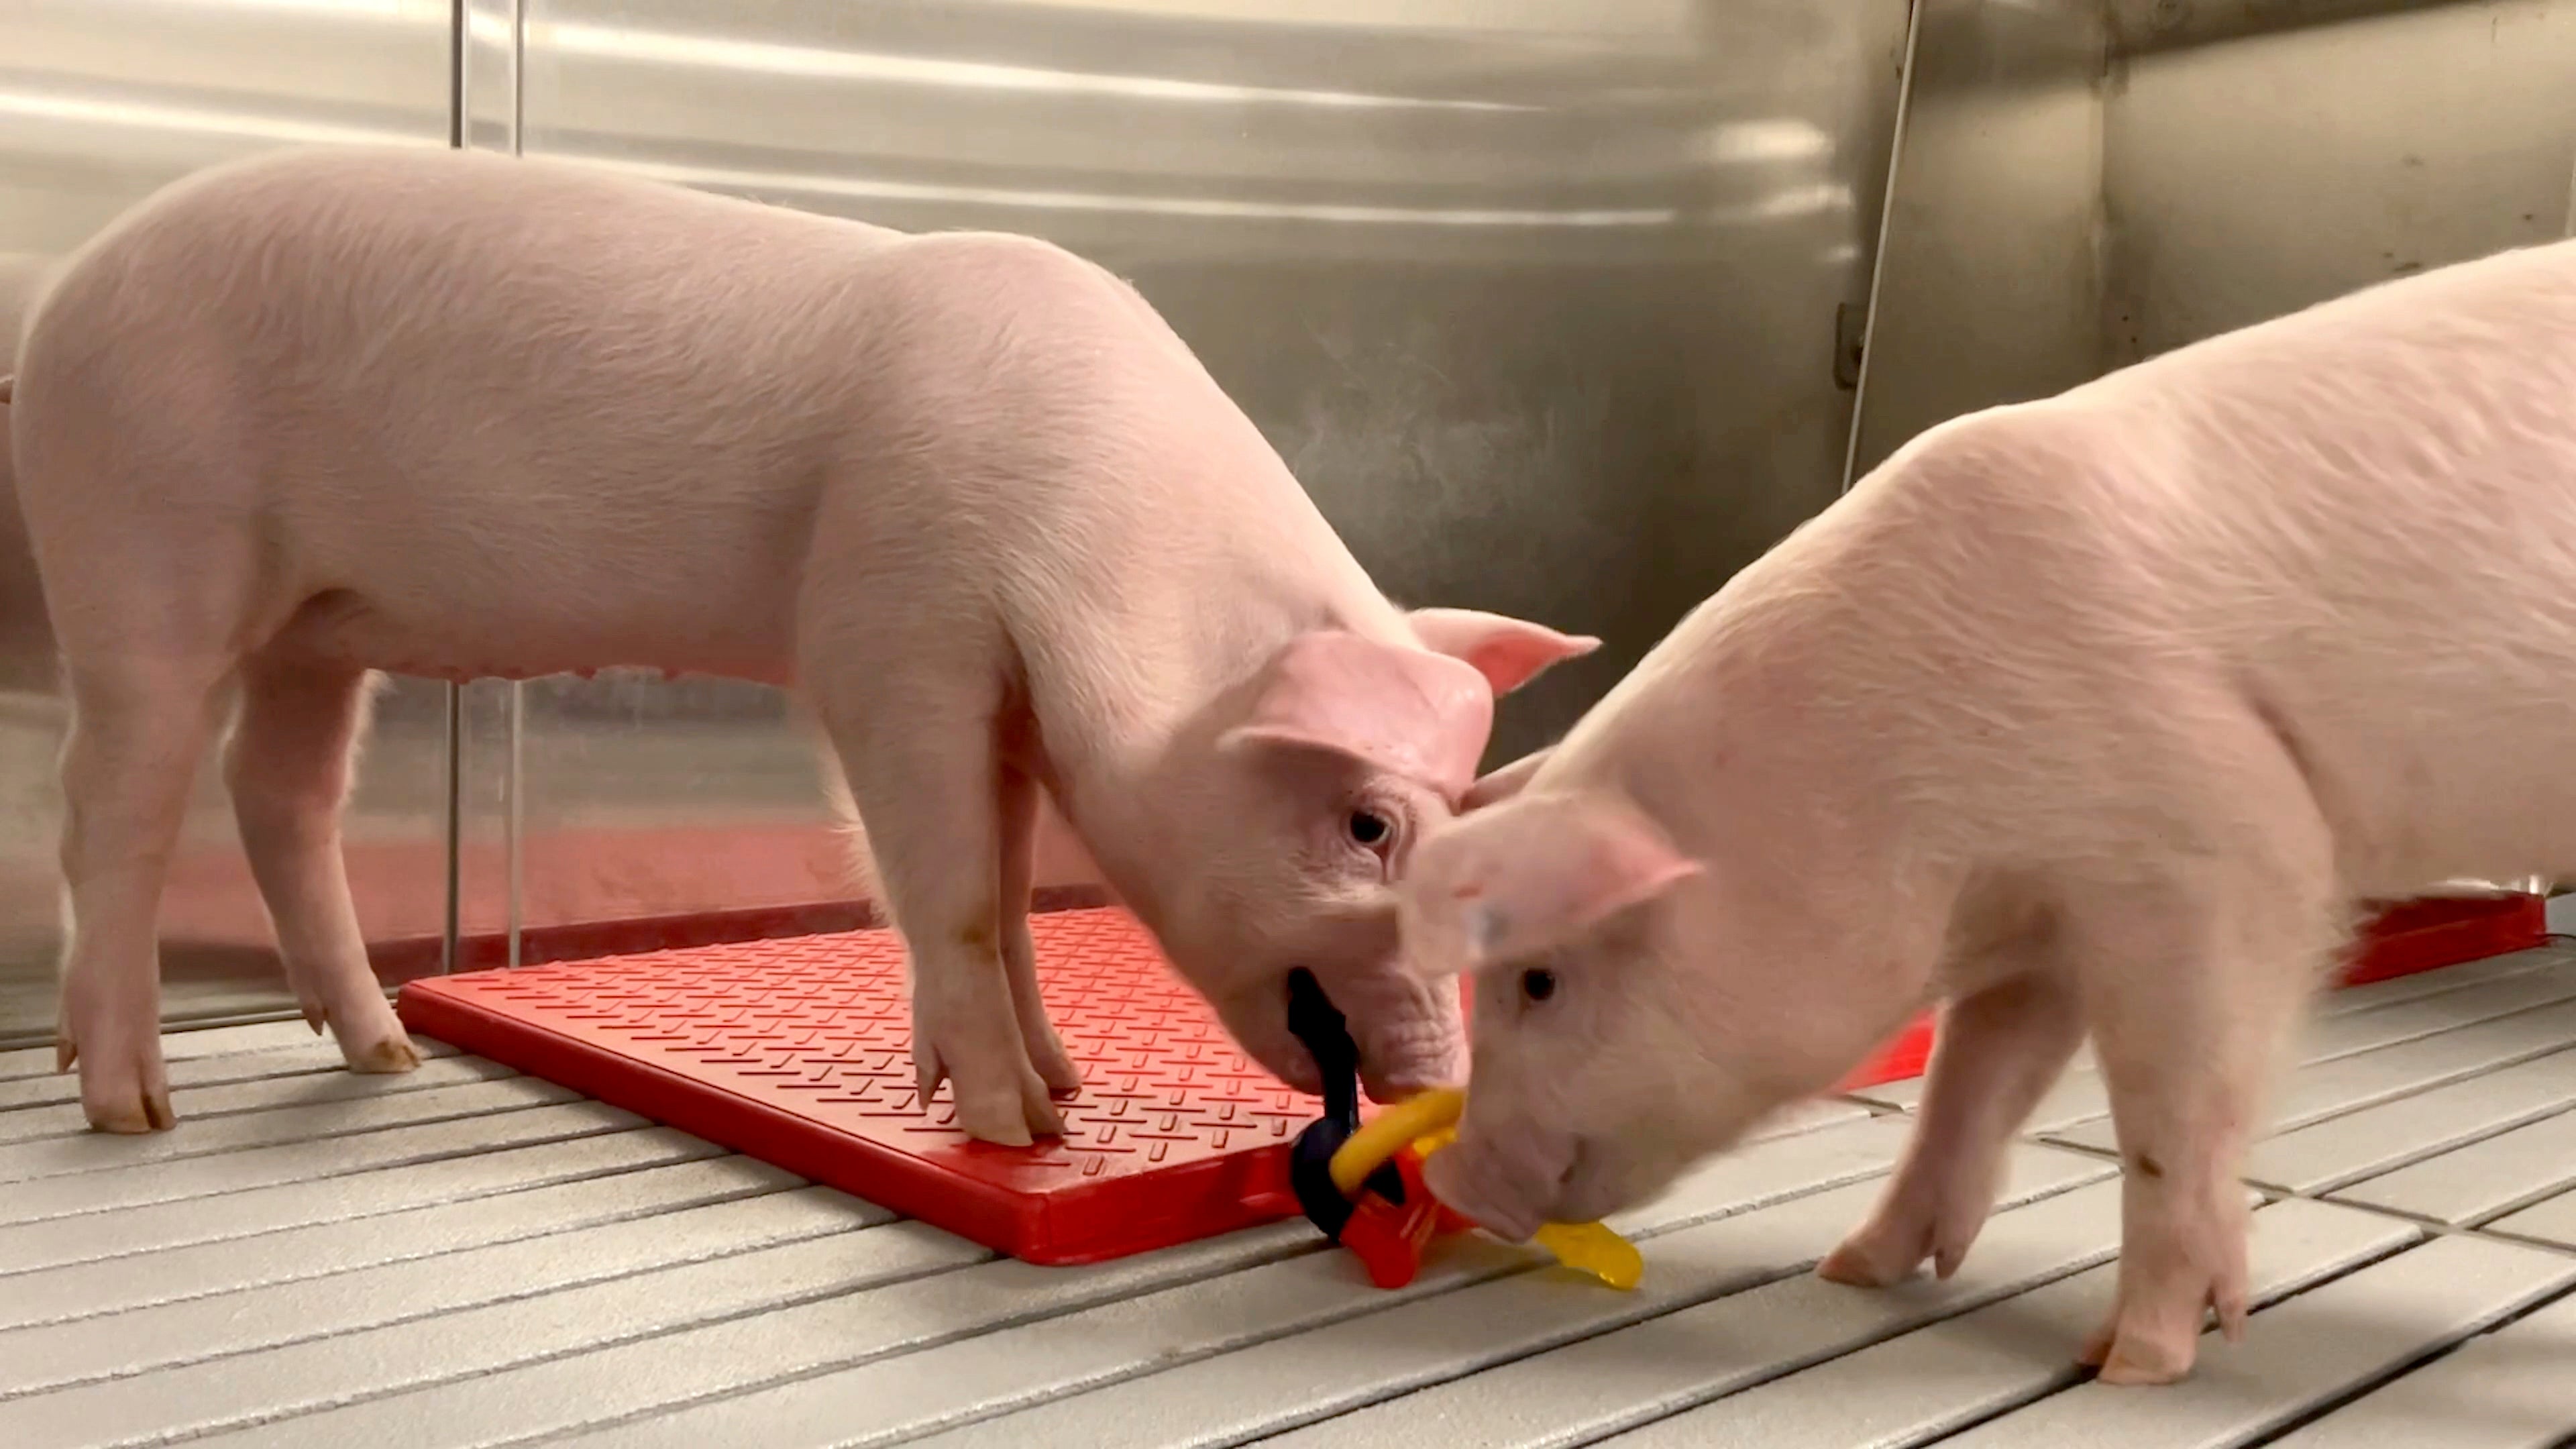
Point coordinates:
[(474, 588), (2434, 706), (507, 639), (2475, 788)]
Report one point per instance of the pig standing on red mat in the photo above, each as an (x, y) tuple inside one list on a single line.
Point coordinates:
[(458, 415), (2098, 713)]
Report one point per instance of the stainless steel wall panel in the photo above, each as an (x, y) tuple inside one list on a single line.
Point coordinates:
[(103, 102), (1538, 299)]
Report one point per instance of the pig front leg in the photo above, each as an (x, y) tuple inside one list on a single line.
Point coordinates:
[(2191, 994), (1997, 1052), (927, 776), (1018, 819), (288, 767)]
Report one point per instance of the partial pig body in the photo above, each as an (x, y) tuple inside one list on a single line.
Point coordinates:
[(455, 415), (2096, 714)]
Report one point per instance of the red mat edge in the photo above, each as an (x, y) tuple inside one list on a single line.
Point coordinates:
[(2427, 935)]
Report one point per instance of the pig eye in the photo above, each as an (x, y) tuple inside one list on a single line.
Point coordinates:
[(1538, 985), (1369, 828)]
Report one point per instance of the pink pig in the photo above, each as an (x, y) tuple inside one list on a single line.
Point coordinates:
[(2098, 713), (457, 415)]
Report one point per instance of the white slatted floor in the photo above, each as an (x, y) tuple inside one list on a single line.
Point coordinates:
[(468, 1257)]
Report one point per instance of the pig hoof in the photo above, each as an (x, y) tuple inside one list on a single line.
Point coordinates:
[(1057, 1070), (1008, 1118), (390, 1057), (1004, 1124), (122, 1087), (2136, 1359), (133, 1115), (2130, 1370), (371, 1037), (1870, 1259)]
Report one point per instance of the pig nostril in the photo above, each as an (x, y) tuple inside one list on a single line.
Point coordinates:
[(1573, 1164)]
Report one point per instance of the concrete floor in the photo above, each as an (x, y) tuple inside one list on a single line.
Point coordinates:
[(470, 1257)]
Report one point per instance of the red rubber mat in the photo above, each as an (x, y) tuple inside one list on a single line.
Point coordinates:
[(2428, 934), (798, 1051)]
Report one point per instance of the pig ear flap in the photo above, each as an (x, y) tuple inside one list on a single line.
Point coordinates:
[(1506, 782), (1508, 652), (1528, 875), (1409, 712)]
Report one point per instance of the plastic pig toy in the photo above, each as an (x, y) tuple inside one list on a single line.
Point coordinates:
[(1362, 1183)]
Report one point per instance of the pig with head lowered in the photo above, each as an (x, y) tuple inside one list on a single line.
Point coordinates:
[(2101, 713), (455, 415)]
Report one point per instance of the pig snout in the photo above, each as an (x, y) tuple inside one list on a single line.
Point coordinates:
[(1409, 1036), (1509, 1186), (1403, 1063), (1407, 1039)]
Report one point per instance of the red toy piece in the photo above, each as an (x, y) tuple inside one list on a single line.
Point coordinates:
[(1389, 1238)]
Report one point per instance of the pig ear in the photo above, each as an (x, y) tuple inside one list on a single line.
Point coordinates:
[(1506, 782), (1508, 652), (1409, 712), (1518, 878)]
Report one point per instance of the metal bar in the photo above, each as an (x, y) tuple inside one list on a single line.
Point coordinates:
[(1886, 228), (458, 17), (514, 783)]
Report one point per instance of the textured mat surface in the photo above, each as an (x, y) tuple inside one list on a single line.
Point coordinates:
[(798, 1051)]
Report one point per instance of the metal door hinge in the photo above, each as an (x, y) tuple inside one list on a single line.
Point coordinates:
[(1851, 336)]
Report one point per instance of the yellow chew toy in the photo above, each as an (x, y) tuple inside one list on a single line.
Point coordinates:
[(1430, 1122)]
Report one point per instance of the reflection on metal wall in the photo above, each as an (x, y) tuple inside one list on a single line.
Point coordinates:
[(1988, 286), (1538, 299), (2084, 185), (1538, 296), (2393, 142), (101, 103)]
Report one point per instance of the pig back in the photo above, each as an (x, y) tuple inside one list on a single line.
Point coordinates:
[(2337, 492), (472, 385), (2395, 474)]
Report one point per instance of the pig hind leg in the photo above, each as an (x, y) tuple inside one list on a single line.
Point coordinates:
[(140, 721), (1998, 1051), (2192, 987), (288, 766)]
